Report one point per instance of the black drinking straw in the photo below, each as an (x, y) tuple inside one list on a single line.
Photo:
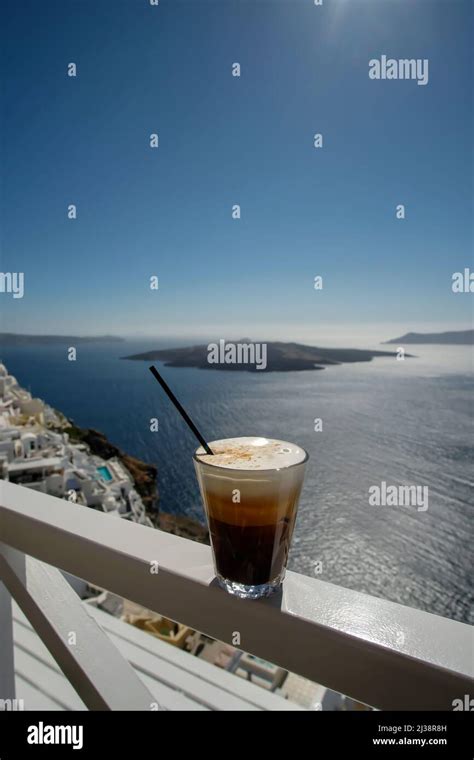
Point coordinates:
[(180, 409)]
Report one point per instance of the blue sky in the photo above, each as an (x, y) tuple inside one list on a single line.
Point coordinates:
[(227, 140)]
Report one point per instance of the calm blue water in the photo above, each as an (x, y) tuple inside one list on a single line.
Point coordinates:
[(405, 422)]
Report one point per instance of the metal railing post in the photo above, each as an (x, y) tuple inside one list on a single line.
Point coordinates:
[(102, 677), (7, 670)]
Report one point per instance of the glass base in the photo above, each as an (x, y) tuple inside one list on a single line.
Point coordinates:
[(249, 592)]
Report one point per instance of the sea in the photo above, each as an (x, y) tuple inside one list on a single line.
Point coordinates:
[(402, 422)]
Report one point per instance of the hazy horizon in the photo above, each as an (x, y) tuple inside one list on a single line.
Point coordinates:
[(335, 334)]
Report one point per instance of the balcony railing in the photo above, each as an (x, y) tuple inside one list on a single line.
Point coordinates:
[(380, 653)]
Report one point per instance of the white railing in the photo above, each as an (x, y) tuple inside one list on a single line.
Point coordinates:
[(377, 652)]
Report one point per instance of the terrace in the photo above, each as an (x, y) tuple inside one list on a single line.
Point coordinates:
[(380, 653)]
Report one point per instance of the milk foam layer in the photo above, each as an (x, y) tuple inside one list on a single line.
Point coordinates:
[(252, 454)]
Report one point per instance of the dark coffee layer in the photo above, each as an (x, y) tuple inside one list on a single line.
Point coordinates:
[(251, 555)]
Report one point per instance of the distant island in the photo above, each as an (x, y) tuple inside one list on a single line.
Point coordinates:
[(454, 338), (280, 357), (16, 339)]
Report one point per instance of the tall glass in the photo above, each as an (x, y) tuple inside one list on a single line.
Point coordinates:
[(251, 514)]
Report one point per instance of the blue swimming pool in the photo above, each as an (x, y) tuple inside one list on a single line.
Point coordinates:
[(104, 473)]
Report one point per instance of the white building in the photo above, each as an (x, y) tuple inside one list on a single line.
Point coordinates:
[(36, 457)]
